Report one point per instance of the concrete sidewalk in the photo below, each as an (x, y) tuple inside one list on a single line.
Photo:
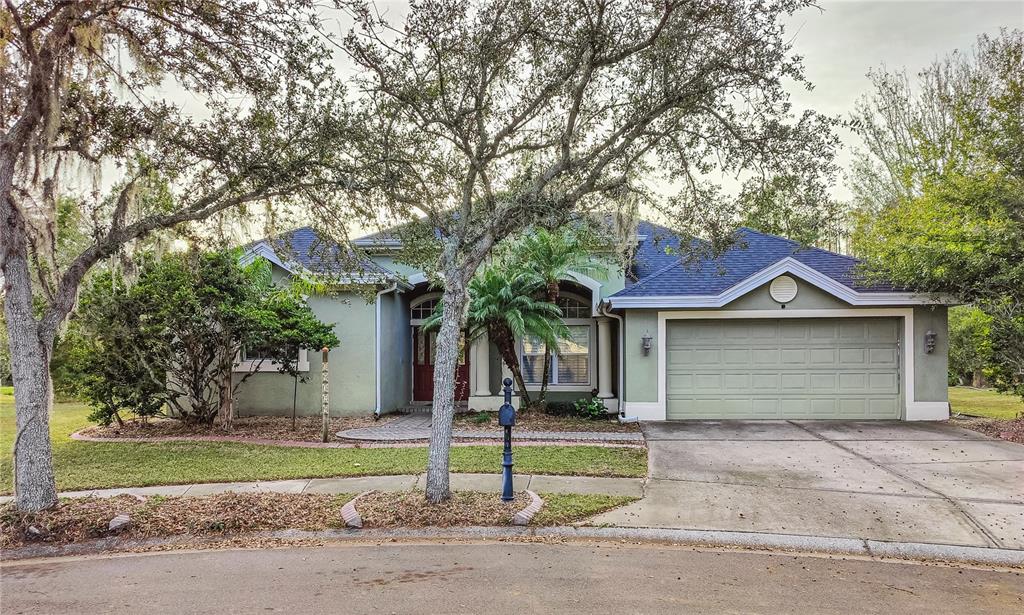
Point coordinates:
[(459, 482)]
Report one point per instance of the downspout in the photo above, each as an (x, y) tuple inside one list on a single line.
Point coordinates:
[(377, 345), (622, 365)]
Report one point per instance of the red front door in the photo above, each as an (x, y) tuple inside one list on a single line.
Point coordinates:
[(424, 349)]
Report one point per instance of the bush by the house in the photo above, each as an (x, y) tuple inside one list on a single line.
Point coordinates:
[(173, 336)]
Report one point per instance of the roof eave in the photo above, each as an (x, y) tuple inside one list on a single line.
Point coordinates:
[(787, 265)]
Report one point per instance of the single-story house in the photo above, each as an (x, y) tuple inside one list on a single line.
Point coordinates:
[(768, 330)]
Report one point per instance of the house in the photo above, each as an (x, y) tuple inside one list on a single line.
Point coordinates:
[(767, 330)]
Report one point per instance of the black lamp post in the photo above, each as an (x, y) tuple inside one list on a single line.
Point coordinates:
[(507, 418)]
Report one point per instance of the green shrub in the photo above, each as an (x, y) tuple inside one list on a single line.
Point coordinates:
[(590, 408)]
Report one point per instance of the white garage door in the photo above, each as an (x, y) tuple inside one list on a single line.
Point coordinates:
[(835, 368)]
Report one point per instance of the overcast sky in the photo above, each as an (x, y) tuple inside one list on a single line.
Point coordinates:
[(845, 39), (840, 43)]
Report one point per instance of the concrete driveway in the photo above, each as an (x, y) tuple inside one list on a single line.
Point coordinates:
[(881, 480)]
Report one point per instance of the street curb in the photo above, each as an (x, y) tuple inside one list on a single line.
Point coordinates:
[(349, 513), (524, 516), (795, 544)]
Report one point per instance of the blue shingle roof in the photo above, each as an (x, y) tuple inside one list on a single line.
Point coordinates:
[(661, 274), (321, 255)]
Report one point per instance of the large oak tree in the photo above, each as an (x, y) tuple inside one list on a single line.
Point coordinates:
[(82, 94), (491, 116), (939, 183)]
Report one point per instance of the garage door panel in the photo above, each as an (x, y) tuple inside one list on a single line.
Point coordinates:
[(824, 357), (765, 356), (825, 383), (783, 368), (736, 356), (882, 356), (883, 330), (853, 357)]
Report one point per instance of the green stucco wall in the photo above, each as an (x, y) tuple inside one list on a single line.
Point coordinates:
[(396, 352), (351, 367), (931, 369), (641, 380)]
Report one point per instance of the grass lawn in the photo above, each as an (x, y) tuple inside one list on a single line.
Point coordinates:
[(95, 465), (985, 402)]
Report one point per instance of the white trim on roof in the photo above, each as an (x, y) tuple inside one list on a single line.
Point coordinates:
[(787, 265), (263, 250), (591, 284)]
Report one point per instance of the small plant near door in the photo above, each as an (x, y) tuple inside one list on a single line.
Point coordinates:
[(591, 408)]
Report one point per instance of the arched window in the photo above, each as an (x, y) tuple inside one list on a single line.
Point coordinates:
[(573, 306), (423, 308)]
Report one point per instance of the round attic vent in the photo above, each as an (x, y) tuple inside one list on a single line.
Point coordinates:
[(783, 289)]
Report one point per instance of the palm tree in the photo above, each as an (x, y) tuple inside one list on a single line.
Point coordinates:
[(552, 256), (503, 303)]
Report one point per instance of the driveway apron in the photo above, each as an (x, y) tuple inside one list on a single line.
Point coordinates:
[(880, 480)]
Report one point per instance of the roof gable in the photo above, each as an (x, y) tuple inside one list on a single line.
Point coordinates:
[(304, 249), (755, 259)]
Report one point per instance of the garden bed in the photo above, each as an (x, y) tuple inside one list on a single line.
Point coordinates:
[(307, 428), (235, 514), (79, 519), (539, 421), (1011, 430)]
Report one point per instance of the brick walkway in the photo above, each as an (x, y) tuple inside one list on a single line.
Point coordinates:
[(417, 427), (459, 482)]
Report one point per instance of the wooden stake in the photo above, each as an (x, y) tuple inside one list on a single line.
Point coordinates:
[(325, 399)]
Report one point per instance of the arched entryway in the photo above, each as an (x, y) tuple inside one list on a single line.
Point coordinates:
[(424, 352)]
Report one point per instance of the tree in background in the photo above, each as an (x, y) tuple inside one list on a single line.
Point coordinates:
[(551, 256), (175, 335), (80, 88), (794, 208), (115, 354), (489, 117), (970, 345), (940, 183)]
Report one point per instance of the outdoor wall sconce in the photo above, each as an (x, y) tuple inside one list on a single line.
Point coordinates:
[(929, 341), (645, 343)]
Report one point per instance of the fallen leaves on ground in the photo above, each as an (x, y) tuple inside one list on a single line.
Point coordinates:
[(230, 518), (411, 509), (538, 421), (307, 428), (1011, 430), (74, 520)]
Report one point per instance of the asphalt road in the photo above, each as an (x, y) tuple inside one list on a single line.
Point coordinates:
[(497, 578)]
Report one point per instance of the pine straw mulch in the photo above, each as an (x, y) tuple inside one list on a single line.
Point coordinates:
[(307, 428), (533, 420), (411, 509), (75, 520), (1011, 430)]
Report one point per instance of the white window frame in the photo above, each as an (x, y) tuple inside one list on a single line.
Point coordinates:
[(416, 302), (245, 365), (592, 355)]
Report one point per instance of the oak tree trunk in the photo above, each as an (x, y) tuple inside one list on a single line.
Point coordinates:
[(454, 300), (31, 349), (226, 408)]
